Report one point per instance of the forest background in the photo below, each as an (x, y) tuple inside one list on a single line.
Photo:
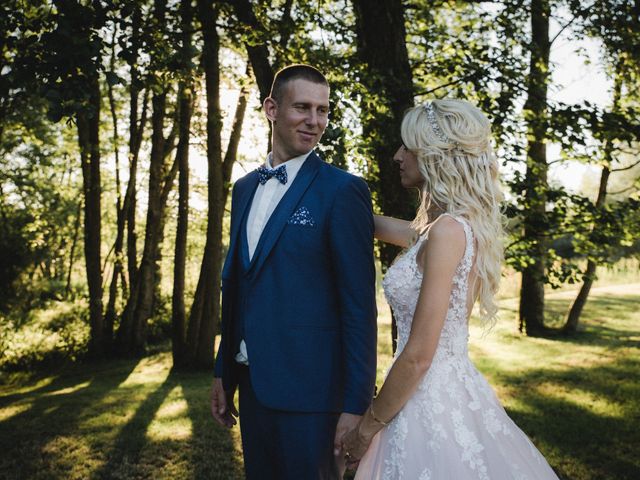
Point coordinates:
[(124, 123)]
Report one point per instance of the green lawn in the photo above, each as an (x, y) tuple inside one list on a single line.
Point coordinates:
[(577, 398)]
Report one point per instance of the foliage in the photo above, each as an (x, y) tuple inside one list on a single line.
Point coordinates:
[(48, 336), (39, 208), (474, 50)]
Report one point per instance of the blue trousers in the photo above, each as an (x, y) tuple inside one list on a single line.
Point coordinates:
[(280, 445)]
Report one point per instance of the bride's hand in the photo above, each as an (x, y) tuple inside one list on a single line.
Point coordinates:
[(354, 446)]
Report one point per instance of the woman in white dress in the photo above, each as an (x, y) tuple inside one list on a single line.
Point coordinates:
[(436, 417)]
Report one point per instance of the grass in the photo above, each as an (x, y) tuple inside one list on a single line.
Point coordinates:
[(577, 398), (118, 420)]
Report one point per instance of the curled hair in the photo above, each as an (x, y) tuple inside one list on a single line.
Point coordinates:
[(460, 178)]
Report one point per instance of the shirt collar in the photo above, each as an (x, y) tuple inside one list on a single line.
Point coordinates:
[(293, 165)]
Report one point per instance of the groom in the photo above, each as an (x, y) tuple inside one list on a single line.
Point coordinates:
[(298, 296)]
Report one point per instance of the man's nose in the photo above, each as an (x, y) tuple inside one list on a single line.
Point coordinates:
[(312, 117)]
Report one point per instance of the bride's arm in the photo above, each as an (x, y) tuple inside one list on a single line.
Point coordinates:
[(393, 230), (441, 256)]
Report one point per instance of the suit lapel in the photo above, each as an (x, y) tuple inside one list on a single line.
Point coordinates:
[(240, 211), (284, 210)]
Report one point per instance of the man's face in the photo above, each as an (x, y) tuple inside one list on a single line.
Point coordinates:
[(299, 118)]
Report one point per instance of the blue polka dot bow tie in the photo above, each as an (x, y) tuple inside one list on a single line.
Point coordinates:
[(265, 174)]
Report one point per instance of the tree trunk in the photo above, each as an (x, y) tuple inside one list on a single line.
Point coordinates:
[(231, 154), (135, 140), (205, 310), (132, 332), (88, 124), (185, 98), (178, 315), (382, 49), (589, 275), (169, 175), (110, 315), (258, 53), (536, 185), (74, 244)]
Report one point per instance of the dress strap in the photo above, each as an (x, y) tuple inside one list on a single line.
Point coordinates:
[(467, 258)]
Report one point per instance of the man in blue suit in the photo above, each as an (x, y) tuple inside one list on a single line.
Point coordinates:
[(298, 296)]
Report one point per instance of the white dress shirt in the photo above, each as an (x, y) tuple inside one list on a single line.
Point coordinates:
[(265, 201)]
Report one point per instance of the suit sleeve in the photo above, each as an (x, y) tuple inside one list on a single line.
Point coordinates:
[(351, 240)]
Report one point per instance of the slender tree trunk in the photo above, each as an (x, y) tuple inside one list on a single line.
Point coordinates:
[(536, 185), (135, 139), (205, 310), (110, 314), (185, 96), (132, 332), (88, 124), (589, 275), (169, 174), (382, 49), (74, 244), (258, 53), (234, 141)]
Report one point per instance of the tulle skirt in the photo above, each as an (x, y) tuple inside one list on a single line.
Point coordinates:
[(453, 428)]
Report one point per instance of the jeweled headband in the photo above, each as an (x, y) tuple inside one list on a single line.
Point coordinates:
[(431, 117)]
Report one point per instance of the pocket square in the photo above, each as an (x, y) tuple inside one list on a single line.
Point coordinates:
[(302, 216)]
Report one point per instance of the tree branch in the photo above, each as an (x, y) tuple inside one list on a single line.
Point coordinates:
[(628, 167)]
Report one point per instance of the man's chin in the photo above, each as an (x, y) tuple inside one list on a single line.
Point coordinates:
[(305, 148)]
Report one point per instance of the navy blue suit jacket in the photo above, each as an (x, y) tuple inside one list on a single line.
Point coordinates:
[(307, 298)]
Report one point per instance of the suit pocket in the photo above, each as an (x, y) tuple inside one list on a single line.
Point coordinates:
[(302, 217)]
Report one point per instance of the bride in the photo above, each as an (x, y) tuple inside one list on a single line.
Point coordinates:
[(436, 417)]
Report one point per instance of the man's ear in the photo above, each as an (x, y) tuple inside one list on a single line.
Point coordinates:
[(270, 107)]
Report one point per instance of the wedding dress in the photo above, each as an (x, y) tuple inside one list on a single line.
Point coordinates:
[(453, 427)]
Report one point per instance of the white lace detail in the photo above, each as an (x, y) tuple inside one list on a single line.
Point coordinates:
[(453, 426)]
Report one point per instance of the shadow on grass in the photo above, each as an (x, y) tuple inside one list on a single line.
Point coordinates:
[(53, 411), (218, 457), (599, 445), (90, 423), (208, 453)]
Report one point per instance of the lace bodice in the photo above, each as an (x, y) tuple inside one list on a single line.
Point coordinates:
[(402, 285)]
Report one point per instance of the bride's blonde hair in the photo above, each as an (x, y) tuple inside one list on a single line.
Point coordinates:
[(451, 139)]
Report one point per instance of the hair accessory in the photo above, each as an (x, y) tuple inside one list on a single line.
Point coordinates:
[(431, 117)]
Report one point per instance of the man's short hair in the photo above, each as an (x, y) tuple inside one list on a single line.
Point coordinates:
[(295, 72)]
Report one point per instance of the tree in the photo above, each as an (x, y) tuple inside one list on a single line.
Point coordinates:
[(72, 79), (186, 96), (130, 21), (131, 337), (205, 309), (618, 26), (387, 76), (535, 182)]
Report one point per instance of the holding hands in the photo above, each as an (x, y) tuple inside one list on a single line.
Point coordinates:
[(356, 442)]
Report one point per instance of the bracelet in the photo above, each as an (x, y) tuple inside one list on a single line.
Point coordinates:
[(376, 419)]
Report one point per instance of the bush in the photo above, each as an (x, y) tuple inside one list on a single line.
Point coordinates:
[(58, 332)]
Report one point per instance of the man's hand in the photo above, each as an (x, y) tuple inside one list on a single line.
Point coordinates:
[(346, 423), (355, 445), (222, 407)]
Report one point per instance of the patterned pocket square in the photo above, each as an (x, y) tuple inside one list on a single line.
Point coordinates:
[(302, 216)]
